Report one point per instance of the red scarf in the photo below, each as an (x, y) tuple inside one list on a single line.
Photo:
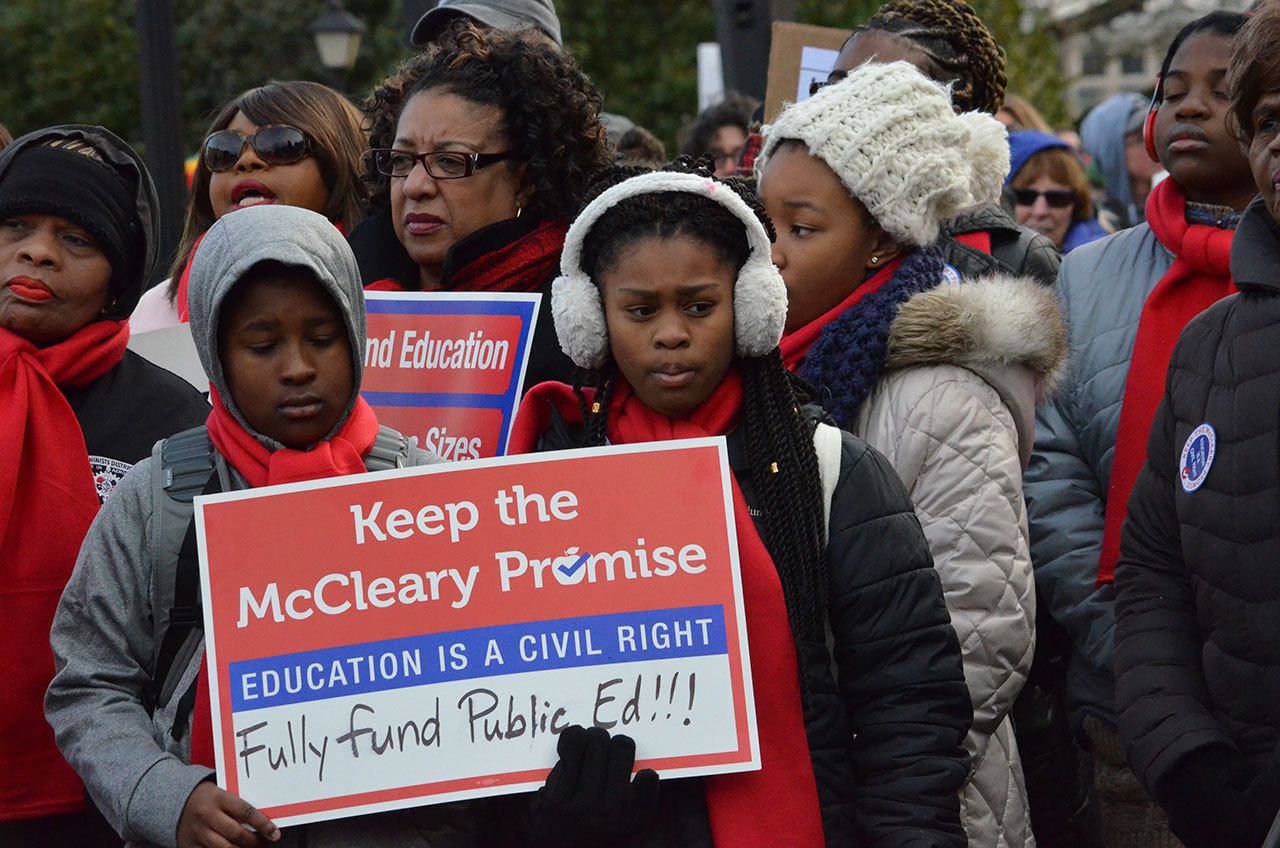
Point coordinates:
[(784, 786), (47, 501), (522, 266), (334, 457), (1199, 277), (795, 345)]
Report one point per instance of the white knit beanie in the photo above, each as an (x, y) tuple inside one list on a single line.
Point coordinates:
[(892, 137)]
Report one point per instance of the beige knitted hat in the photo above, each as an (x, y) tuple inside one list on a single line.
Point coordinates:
[(892, 138)]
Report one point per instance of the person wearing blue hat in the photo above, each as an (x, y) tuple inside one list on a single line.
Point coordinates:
[(1051, 191)]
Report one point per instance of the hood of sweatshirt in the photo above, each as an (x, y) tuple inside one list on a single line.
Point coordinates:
[(1102, 132), (122, 157), (1008, 330), (288, 235)]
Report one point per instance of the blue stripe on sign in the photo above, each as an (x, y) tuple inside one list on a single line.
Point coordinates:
[(452, 401), (498, 306), (528, 646)]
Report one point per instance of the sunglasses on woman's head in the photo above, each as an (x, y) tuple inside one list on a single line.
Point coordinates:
[(1057, 198), (276, 144)]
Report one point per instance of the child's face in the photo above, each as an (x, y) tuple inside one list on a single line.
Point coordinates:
[(668, 304), (253, 182), (1191, 132), (1264, 151), (53, 278), (286, 357), (826, 239)]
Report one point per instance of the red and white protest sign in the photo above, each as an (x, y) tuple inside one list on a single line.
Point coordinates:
[(447, 366), (422, 635)]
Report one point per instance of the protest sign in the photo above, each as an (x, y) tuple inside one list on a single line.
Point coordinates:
[(798, 55), (447, 366), (422, 635), (173, 349)]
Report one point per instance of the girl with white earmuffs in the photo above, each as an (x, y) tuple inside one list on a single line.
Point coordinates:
[(671, 308)]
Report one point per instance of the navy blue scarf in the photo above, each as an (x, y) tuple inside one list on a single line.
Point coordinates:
[(849, 355)]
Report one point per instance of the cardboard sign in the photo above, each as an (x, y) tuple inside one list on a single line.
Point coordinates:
[(447, 366), (798, 54), (422, 635), (173, 349)]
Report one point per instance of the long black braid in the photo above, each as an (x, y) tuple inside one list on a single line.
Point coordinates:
[(777, 438)]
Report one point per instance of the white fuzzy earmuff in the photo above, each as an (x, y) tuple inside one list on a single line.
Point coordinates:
[(759, 296)]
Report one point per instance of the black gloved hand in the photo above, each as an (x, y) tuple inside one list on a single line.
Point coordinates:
[(1205, 797), (590, 798)]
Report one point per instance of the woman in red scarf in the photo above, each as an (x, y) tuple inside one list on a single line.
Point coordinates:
[(1127, 297), (670, 304), (482, 148), (277, 315), (78, 230)]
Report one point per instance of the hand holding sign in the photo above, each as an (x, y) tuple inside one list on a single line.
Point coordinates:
[(428, 634), (590, 797)]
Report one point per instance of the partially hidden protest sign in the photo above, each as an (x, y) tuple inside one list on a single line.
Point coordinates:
[(799, 54), (422, 635), (173, 349), (447, 366)]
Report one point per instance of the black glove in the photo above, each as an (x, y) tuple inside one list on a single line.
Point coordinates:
[(590, 798), (1206, 798)]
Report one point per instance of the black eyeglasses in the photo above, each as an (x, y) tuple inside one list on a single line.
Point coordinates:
[(1057, 198), (275, 144), (834, 77), (446, 165)]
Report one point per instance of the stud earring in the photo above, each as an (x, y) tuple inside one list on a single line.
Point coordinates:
[(875, 260)]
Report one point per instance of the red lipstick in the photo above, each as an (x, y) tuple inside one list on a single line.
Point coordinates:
[(30, 289)]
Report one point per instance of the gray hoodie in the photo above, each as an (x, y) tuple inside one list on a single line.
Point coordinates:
[(1102, 132), (103, 639)]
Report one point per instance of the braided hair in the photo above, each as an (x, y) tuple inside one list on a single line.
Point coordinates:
[(958, 44), (777, 437)]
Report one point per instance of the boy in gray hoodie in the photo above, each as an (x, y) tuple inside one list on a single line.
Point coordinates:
[(278, 317)]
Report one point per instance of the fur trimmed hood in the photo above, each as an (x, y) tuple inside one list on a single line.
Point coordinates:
[(981, 324)]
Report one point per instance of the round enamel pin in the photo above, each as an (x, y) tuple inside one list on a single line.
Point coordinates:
[(1197, 457)]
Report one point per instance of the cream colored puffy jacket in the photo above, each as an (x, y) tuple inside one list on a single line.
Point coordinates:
[(954, 411)]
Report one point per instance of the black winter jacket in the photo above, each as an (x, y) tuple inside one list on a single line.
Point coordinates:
[(380, 256), (1198, 583), (126, 411), (886, 738), (1014, 249)]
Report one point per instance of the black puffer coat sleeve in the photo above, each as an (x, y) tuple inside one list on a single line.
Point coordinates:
[(1160, 686), (898, 659)]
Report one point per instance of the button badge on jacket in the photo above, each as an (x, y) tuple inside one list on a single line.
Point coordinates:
[(1197, 457)]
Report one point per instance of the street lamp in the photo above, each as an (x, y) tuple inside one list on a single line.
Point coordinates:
[(337, 33)]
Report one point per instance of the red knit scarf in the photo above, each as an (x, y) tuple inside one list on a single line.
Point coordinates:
[(795, 345), (47, 501), (334, 457), (522, 266), (1199, 277), (784, 788)]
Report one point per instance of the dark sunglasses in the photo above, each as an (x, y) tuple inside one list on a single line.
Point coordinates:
[(1057, 198), (445, 165), (817, 85), (276, 144)]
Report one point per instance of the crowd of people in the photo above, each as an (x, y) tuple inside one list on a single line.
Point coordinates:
[(1005, 472)]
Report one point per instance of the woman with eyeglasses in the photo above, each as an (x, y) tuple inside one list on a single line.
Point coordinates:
[(482, 147), (292, 142), (1051, 193)]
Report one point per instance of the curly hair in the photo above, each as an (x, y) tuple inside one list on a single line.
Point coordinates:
[(550, 109), (777, 437), (1254, 70), (958, 44)]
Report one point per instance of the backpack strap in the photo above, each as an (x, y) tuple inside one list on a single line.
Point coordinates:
[(183, 466), (390, 450), (828, 444)]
